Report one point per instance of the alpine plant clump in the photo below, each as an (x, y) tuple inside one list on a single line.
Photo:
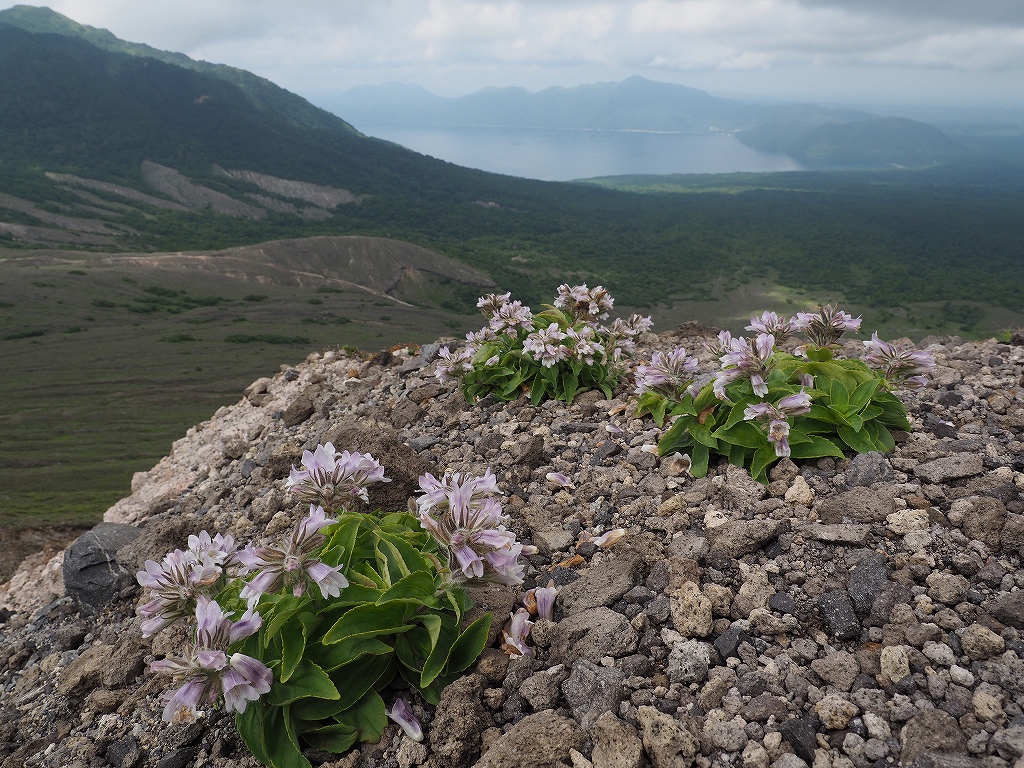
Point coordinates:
[(566, 349), (765, 403), (301, 638)]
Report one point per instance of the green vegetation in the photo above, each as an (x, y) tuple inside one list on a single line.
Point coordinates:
[(264, 338)]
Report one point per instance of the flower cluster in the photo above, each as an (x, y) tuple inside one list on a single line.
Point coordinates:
[(668, 374), (899, 365), (770, 323), (294, 564), (208, 671), (176, 583), (825, 327), (746, 360), (584, 303), (331, 479), (465, 517), (777, 418), (555, 353)]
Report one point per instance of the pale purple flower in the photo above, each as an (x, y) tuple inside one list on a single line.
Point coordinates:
[(584, 303), (744, 360), (465, 517), (770, 323), (515, 632), (806, 380), (333, 479), (491, 303), (451, 366), (667, 374), (492, 361), (545, 345), (545, 597), (293, 565), (511, 316), (609, 538), (585, 344), (208, 672), (721, 345), (401, 712), (899, 364), (476, 338), (826, 326), (176, 582), (776, 417)]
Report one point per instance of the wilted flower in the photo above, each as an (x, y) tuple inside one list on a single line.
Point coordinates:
[(401, 712), (515, 632), (209, 673), (452, 365), (667, 374), (826, 326), (609, 538), (771, 323), (559, 479), (545, 345), (744, 360), (332, 479), (541, 600), (899, 364), (465, 517), (293, 564)]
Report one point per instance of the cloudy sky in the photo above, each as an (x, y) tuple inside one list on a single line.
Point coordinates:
[(898, 52)]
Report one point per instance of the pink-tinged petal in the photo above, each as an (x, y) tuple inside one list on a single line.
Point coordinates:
[(264, 582), (151, 626), (213, 660), (559, 479), (330, 580), (248, 625), (546, 600), (259, 675), (611, 537), (469, 561), (181, 705), (515, 633), (402, 714)]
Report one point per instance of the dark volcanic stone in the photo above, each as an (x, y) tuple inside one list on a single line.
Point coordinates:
[(866, 582), (837, 610), (867, 469), (801, 735), (531, 454), (92, 575), (300, 409), (782, 602), (729, 641), (1009, 608)]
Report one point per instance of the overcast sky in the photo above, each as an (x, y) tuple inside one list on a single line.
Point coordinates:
[(908, 52)]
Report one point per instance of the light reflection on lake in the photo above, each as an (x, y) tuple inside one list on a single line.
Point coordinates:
[(561, 155)]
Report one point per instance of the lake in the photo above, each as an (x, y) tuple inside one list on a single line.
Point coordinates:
[(552, 154)]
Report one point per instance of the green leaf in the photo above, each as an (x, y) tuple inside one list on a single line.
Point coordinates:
[(368, 716), (308, 680), (818, 354), (265, 732), (863, 393), (736, 414), (743, 433), (413, 648), (369, 621), (417, 585), (330, 657), (336, 738), (468, 646), (860, 441), (677, 438), (293, 643), (356, 594), (438, 657), (816, 448), (699, 458), (839, 395), (283, 609), (764, 457), (881, 436), (701, 433), (360, 676), (314, 710)]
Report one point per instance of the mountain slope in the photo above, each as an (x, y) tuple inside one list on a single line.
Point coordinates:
[(260, 91)]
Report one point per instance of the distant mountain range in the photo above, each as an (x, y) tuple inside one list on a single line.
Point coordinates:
[(816, 136)]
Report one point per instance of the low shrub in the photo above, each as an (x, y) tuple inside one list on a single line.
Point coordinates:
[(765, 403), (557, 353)]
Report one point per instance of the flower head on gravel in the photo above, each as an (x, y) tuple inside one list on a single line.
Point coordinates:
[(208, 672), (465, 517), (333, 479), (899, 364)]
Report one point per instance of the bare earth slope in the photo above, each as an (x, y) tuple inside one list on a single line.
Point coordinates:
[(852, 613)]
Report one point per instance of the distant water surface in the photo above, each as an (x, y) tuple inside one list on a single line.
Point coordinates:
[(561, 155)]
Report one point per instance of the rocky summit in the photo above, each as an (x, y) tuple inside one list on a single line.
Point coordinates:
[(852, 613)]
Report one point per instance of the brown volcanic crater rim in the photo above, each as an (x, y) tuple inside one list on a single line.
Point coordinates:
[(851, 613)]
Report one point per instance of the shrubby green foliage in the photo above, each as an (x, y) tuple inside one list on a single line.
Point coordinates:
[(557, 353), (766, 403)]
